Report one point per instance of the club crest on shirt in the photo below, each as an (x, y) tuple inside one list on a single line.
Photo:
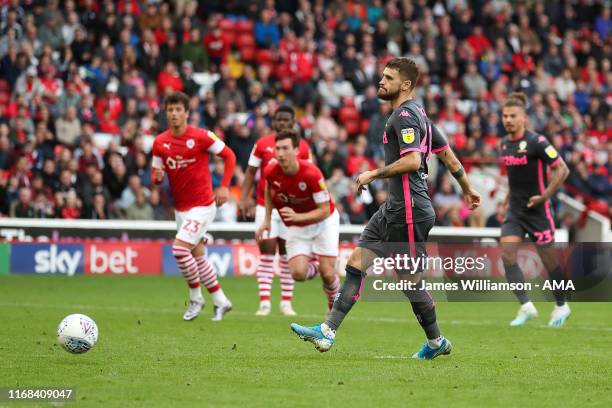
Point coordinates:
[(190, 143), (551, 152), (302, 186), (408, 135), (522, 147)]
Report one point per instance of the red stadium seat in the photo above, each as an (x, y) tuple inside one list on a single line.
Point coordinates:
[(286, 83), (247, 53), (364, 126), (5, 97), (228, 37), (4, 85), (348, 114), (244, 26), (352, 127), (264, 57), (348, 101), (227, 25), (245, 40), (281, 71)]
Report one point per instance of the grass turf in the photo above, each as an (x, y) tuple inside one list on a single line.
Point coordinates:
[(147, 356)]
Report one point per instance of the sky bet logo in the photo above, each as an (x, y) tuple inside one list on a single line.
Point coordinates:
[(62, 259)]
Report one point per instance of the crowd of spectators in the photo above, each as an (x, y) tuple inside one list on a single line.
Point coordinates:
[(82, 84)]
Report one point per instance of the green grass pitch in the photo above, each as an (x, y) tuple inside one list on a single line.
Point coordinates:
[(147, 356)]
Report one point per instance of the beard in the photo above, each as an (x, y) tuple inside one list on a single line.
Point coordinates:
[(387, 95)]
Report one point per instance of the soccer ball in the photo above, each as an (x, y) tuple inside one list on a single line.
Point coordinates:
[(77, 333)]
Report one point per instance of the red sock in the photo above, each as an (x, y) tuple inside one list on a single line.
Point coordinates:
[(265, 274), (286, 279), (208, 276), (187, 264), (313, 269)]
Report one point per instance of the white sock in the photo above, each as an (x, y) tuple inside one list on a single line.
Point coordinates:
[(435, 343), (285, 303), (327, 331), (219, 298), (529, 305), (265, 303), (195, 294)]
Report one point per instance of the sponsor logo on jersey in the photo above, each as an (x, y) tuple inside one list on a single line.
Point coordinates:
[(276, 183), (404, 113), (166, 145), (385, 140), (270, 149), (551, 152), (513, 160), (190, 143), (522, 147), (302, 185), (408, 135)]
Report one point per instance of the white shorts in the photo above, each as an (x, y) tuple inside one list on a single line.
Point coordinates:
[(278, 229), (319, 239), (191, 225)]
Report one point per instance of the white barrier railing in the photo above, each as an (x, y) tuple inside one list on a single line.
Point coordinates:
[(10, 228)]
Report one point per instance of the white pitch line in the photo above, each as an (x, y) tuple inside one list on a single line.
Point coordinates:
[(137, 309)]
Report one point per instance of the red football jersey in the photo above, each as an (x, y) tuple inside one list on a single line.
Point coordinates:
[(185, 159), (301, 191), (263, 152)]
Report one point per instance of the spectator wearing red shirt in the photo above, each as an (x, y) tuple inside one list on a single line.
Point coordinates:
[(169, 80), (478, 42), (108, 108), (216, 46)]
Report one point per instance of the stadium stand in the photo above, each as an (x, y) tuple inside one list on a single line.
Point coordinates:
[(82, 84)]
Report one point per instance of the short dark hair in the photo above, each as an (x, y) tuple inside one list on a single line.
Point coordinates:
[(177, 97), (518, 99), (288, 134), (287, 109), (407, 68)]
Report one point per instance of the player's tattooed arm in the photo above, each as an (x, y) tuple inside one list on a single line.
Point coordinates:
[(453, 164), (559, 173), (409, 162)]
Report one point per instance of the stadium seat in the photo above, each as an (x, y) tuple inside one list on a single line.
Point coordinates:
[(245, 40), (286, 83), (247, 53), (348, 114), (5, 97), (281, 71), (364, 126), (348, 101), (265, 57), (352, 127), (227, 25), (4, 86), (244, 26), (228, 37)]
